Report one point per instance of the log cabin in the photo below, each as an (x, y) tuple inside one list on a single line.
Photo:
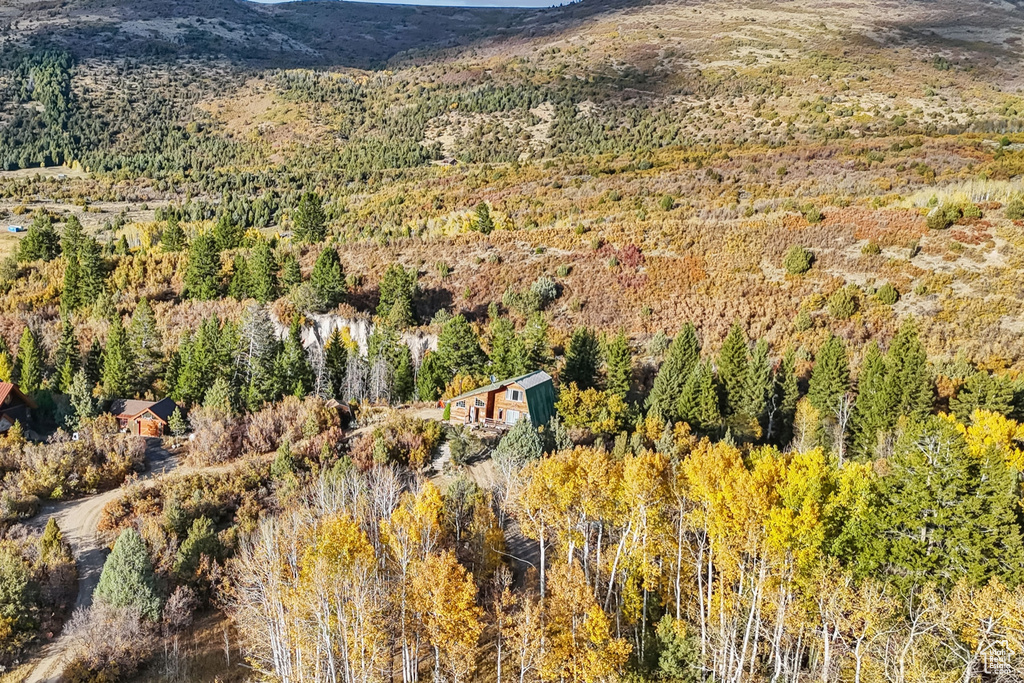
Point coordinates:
[(144, 418), (501, 404)]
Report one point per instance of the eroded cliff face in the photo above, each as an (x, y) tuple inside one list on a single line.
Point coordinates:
[(320, 326)]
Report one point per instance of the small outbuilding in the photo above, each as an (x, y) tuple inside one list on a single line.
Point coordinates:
[(501, 404), (144, 418)]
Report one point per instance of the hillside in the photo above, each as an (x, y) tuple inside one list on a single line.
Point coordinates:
[(762, 261)]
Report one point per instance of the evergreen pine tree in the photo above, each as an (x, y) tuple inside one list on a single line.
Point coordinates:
[(398, 289), (177, 423), (582, 359), (482, 221), (202, 273), (785, 396), (618, 365), (758, 386), (66, 358), (830, 378), (92, 272), (70, 295), (508, 352), (908, 368), (120, 372), (945, 513), (94, 362), (30, 362), (80, 397), (73, 236), (328, 278), (220, 396), (293, 370), (403, 377), (698, 404), (173, 237), (310, 221), (535, 338), (982, 391), (519, 446), (41, 242), (732, 369), (336, 359), (458, 348), (262, 272), (128, 579), (432, 378), (874, 412), (201, 362), (291, 273), (674, 373), (121, 247), (227, 234), (238, 285)]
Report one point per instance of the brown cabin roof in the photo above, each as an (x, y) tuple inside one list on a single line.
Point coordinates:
[(129, 408), (8, 389)]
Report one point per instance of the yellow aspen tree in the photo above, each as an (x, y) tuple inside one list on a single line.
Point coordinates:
[(443, 596)]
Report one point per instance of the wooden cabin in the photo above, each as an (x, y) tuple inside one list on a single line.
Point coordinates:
[(501, 404), (15, 406), (144, 418)]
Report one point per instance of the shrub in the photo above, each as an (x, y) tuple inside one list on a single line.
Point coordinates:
[(871, 249), (798, 260), (1015, 208), (545, 289), (814, 215), (803, 321), (843, 303), (667, 202), (887, 294)]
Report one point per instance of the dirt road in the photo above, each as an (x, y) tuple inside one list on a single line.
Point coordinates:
[(78, 520)]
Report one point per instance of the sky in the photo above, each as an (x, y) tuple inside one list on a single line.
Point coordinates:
[(453, 3)]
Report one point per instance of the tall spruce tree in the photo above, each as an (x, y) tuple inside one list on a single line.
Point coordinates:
[(200, 363), (262, 272), (227, 234), (80, 397), (398, 289), (535, 338), (309, 219), (582, 359), (239, 285), (291, 273), (757, 388), (66, 358), (875, 410), (120, 372), (698, 403), (202, 273), (30, 362), (911, 381), (732, 369), (508, 352), (830, 378), (92, 272), (432, 378), (293, 370), (71, 295), (784, 399), (336, 361), (173, 237), (458, 348), (618, 365), (674, 373), (258, 348), (328, 278), (8, 365), (73, 236)]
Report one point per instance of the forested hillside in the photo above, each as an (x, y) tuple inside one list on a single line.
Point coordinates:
[(769, 253)]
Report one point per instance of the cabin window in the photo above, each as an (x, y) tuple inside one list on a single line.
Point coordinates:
[(515, 395), (501, 414), (480, 403), (460, 404)]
